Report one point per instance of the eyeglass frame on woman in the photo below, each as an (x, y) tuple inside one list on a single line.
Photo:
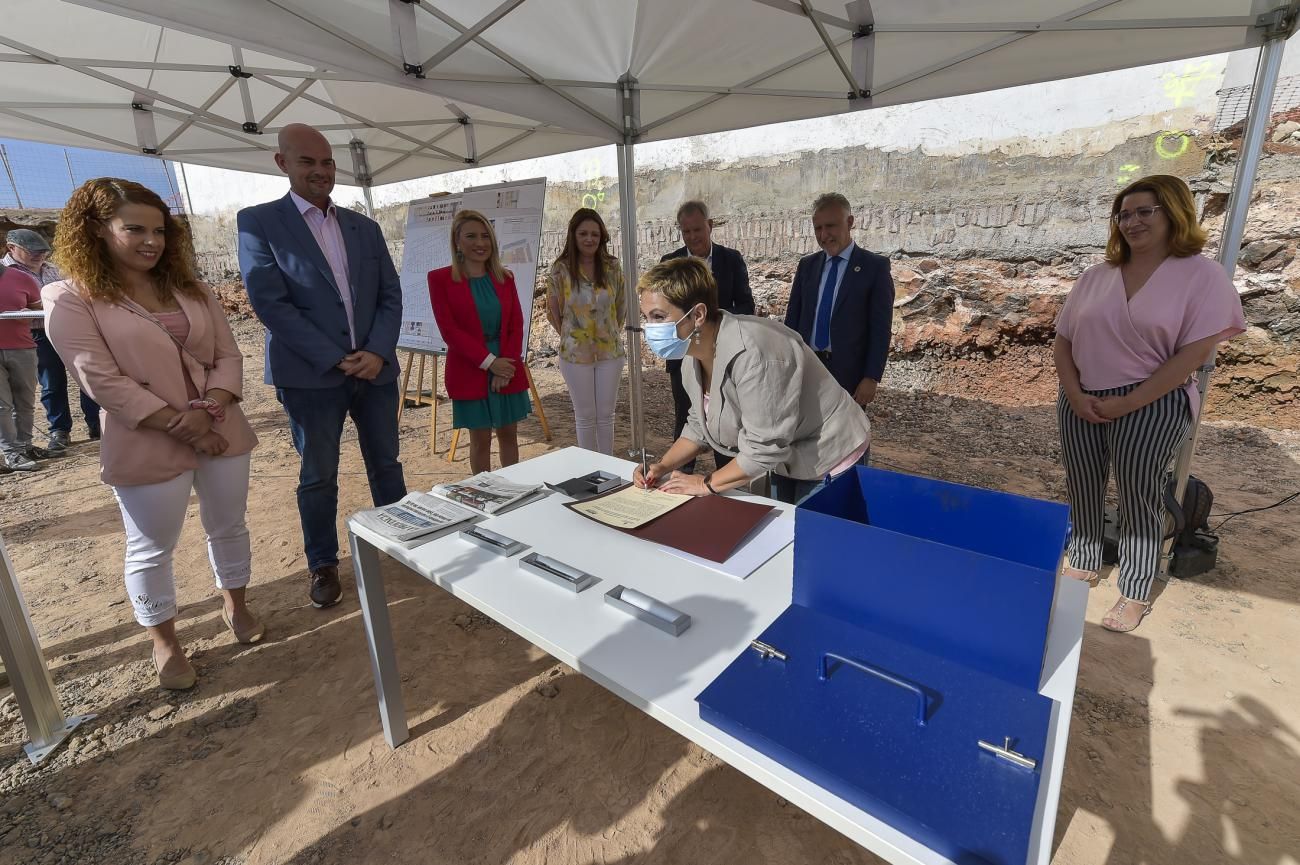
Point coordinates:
[(1125, 215)]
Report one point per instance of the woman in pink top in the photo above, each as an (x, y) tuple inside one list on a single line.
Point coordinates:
[(1128, 339), (152, 346)]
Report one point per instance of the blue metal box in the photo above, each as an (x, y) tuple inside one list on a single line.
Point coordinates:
[(913, 650)]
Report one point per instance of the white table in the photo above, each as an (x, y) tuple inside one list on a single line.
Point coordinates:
[(654, 671)]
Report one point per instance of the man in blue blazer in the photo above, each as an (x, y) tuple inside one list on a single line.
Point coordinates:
[(321, 280), (842, 301), (734, 296)]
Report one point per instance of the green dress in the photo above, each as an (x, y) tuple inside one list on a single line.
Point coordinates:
[(499, 409)]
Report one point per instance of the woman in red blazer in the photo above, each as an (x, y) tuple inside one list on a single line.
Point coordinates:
[(477, 309)]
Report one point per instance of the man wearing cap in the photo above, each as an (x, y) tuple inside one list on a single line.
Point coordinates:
[(29, 252), (18, 291)]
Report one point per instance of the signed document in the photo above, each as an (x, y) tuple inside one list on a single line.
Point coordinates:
[(630, 508)]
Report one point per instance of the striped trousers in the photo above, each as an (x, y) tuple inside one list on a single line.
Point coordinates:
[(1139, 448)]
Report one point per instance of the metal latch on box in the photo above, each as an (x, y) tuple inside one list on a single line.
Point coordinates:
[(1006, 753), (767, 650)]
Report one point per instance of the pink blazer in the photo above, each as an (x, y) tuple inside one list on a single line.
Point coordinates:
[(131, 367)]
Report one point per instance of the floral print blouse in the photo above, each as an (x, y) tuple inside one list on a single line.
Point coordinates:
[(591, 317)]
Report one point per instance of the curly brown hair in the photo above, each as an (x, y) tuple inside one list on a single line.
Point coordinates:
[(84, 258)]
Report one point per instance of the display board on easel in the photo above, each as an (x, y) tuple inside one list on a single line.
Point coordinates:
[(515, 211)]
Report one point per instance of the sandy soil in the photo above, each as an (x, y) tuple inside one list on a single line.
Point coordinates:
[(1185, 742)]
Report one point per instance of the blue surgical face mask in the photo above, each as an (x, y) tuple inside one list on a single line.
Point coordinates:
[(663, 339)]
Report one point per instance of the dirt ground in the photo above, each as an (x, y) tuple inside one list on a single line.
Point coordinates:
[(1185, 741)]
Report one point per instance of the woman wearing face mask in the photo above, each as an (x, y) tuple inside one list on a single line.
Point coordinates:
[(586, 307), (477, 309), (758, 393), (149, 343), (1129, 337)]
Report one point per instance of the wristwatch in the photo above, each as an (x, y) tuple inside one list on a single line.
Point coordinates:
[(708, 486)]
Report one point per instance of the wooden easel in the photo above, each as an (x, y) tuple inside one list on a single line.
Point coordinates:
[(433, 390)]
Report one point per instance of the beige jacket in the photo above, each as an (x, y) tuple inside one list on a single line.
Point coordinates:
[(773, 406), (130, 366)]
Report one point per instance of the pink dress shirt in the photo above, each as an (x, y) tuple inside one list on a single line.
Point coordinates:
[(329, 236), (1116, 341)]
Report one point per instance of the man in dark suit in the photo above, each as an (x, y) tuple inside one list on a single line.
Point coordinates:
[(842, 302), (734, 296), (321, 280)]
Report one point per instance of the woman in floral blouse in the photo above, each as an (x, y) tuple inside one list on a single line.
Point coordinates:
[(585, 304)]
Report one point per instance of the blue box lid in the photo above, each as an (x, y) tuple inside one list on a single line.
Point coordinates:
[(955, 570)]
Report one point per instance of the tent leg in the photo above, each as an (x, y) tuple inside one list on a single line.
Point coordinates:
[(1234, 226), (38, 702), (627, 221), (361, 171), (370, 201)]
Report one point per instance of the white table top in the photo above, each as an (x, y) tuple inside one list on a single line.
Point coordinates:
[(662, 674)]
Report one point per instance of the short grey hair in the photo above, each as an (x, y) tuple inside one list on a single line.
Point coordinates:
[(827, 199), (693, 206)]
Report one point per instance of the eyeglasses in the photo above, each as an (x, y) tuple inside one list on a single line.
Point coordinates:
[(1143, 214)]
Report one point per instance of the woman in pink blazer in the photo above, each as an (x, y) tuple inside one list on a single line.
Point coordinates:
[(152, 346)]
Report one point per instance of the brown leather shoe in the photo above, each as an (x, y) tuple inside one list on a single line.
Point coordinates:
[(325, 588)]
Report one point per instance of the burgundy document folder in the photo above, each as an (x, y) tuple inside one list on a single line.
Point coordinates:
[(710, 527)]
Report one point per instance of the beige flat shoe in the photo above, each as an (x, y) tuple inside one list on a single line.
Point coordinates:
[(178, 681), (248, 636)]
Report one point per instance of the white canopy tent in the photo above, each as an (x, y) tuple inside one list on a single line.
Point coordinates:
[(395, 81), (419, 87)]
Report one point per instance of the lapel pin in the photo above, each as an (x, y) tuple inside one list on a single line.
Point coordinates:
[(857, 268)]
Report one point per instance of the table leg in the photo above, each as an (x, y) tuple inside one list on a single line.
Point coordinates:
[(379, 639)]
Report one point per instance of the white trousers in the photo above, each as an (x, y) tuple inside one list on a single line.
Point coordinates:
[(154, 515), (593, 388)]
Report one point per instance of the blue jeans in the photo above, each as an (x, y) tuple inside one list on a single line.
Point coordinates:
[(53, 376), (794, 491), (316, 418)]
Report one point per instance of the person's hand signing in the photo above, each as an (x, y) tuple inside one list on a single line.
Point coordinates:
[(655, 472), (685, 485)]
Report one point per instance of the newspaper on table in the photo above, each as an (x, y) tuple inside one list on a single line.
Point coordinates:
[(486, 493), (415, 515)]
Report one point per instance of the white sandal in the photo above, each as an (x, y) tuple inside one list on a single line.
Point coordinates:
[(1118, 610)]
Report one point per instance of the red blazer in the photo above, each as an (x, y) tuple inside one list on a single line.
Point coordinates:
[(458, 321)]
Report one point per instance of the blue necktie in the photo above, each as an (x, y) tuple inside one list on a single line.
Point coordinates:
[(822, 327)]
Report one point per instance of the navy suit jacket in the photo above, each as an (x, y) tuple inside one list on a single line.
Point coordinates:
[(860, 319), (292, 290), (732, 277)]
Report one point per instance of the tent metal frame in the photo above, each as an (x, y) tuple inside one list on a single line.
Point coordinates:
[(19, 647), (1278, 26)]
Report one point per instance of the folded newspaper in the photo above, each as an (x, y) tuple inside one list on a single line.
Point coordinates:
[(486, 493), (414, 516)]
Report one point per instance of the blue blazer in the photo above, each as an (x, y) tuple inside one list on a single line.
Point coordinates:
[(732, 277), (860, 319), (292, 290)]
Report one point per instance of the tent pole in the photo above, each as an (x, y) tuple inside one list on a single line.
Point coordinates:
[(627, 223), (20, 650), (1234, 226), (630, 102), (361, 171)]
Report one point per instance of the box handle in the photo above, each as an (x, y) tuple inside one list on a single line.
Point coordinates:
[(922, 701)]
